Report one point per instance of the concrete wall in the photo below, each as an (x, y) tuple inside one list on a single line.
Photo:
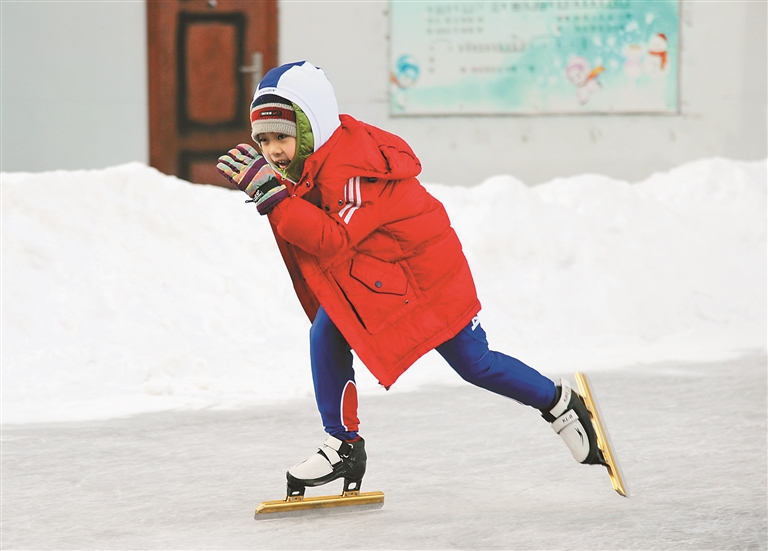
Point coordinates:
[(74, 94), (74, 85)]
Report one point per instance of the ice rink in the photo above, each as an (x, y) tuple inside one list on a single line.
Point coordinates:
[(461, 469), (153, 395)]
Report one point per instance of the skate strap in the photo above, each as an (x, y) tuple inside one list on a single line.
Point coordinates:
[(330, 449), (564, 401), (564, 420)]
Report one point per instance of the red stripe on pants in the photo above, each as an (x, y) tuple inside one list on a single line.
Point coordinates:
[(349, 407)]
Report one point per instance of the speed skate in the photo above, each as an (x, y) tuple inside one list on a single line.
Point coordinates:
[(298, 505), (336, 459), (603, 439)]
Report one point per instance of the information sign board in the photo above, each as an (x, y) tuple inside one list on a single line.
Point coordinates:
[(534, 57)]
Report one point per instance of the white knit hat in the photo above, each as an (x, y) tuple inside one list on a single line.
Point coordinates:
[(271, 113)]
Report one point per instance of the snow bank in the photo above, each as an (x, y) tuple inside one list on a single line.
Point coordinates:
[(125, 290)]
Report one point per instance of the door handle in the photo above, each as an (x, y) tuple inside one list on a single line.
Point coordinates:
[(255, 69)]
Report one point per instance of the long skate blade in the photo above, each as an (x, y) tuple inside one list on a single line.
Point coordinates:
[(282, 508), (603, 439)]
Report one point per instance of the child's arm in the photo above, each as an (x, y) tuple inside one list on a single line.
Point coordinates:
[(324, 234)]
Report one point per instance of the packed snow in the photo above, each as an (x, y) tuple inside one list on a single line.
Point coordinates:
[(125, 290)]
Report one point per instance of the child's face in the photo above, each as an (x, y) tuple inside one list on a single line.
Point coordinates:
[(279, 149)]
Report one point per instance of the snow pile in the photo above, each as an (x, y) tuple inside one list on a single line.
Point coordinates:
[(125, 290)]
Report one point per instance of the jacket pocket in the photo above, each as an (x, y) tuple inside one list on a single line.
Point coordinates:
[(378, 291)]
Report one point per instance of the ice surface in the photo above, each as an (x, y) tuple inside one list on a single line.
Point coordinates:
[(460, 469)]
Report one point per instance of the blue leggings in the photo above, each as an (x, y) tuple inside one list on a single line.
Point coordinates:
[(467, 353)]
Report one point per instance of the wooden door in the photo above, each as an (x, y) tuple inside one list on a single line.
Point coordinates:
[(205, 58)]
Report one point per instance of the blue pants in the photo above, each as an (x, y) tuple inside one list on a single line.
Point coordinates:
[(467, 353)]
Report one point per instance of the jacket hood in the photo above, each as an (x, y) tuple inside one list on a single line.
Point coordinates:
[(361, 149), (309, 88)]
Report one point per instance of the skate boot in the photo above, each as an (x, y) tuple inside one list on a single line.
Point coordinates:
[(335, 459), (570, 418)]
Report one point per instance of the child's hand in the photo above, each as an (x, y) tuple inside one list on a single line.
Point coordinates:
[(251, 173)]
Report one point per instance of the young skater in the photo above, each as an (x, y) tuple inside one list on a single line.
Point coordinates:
[(376, 266)]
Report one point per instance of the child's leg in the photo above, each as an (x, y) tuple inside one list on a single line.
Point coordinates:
[(334, 378), (342, 455), (469, 355)]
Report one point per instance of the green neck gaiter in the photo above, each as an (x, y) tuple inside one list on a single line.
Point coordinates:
[(305, 146)]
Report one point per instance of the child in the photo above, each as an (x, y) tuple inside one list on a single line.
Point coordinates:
[(376, 266)]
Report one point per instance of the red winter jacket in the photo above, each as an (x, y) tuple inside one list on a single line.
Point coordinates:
[(361, 237)]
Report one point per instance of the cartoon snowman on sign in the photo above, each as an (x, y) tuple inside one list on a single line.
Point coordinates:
[(633, 64), (579, 72), (656, 62)]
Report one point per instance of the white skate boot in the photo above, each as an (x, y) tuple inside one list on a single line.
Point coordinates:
[(570, 419), (335, 459)]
